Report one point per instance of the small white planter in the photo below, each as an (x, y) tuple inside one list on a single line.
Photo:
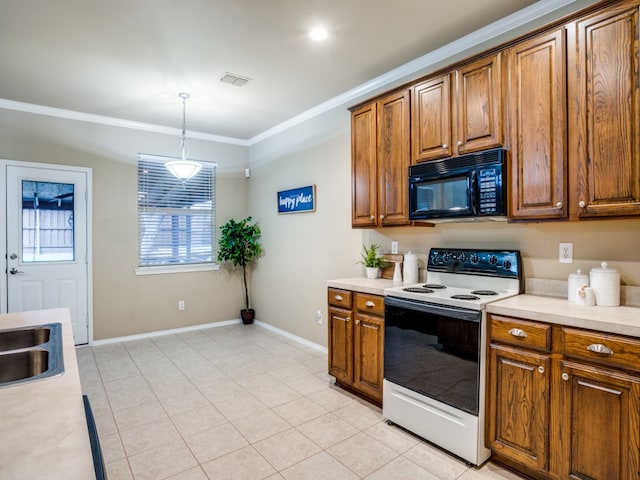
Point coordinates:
[(373, 272)]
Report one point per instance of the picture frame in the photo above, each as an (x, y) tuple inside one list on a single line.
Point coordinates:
[(297, 200)]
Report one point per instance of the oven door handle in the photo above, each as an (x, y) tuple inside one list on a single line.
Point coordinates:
[(422, 306)]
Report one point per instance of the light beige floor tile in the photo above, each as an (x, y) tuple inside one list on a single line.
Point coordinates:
[(275, 394), (360, 415), (119, 470), (290, 373), (261, 425), (362, 454), (105, 424), (332, 398), (327, 430), (308, 384), (147, 436), (177, 404), (300, 411), (195, 473), (319, 467), (402, 469), (489, 471), (243, 464), (239, 406), (111, 447), (287, 448), (393, 437), (222, 391), (139, 415), (436, 461), (275, 476), (194, 421), (215, 442), (161, 462)]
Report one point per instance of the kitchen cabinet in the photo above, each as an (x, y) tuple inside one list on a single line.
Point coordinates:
[(356, 342), (380, 153), (563, 402), (536, 98), (450, 121), (604, 113)]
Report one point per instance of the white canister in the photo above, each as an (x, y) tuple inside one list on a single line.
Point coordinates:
[(606, 285), (410, 274), (576, 280)]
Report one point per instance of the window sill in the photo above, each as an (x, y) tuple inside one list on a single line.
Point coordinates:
[(161, 270)]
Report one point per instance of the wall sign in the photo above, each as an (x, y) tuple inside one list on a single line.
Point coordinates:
[(297, 200)]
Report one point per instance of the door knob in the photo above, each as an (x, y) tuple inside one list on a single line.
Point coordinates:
[(13, 256), (14, 270)]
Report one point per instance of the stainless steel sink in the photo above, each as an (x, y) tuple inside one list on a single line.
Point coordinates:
[(31, 353), (24, 337)]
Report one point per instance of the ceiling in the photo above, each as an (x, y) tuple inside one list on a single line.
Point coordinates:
[(128, 59)]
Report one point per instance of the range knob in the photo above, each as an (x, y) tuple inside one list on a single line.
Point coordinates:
[(447, 256), (462, 257), (474, 258), (507, 264), (493, 260)]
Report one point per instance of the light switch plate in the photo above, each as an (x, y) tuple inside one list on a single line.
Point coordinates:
[(566, 253), (394, 247)]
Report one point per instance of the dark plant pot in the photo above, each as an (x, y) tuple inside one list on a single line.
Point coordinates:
[(247, 315)]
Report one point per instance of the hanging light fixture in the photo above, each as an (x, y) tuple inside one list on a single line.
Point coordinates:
[(183, 169)]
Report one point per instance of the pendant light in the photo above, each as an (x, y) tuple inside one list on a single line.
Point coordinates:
[(183, 169)]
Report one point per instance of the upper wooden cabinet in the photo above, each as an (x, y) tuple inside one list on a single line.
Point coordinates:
[(380, 161), (536, 98), (458, 112), (604, 113)]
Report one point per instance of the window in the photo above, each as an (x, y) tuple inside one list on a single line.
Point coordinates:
[(176, 219)]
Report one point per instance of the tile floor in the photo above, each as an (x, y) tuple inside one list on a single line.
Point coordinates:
[(241, 402)]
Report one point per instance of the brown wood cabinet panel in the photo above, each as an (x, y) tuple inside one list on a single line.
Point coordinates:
[(372, 304), (605, 105), (519, 384), (393, 159), (368, 339), (364, 169), (339, 298), (520, 333), (537, 126), (599, 423), (479, 105), (601, 348), (340, 344), (431, 119)]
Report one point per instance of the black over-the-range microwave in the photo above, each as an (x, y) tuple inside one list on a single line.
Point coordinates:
[(465, 188)]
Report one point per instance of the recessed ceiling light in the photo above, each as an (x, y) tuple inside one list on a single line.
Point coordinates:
[(318, 34)]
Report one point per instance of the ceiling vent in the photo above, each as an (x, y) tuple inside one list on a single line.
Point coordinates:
[(234, 79)]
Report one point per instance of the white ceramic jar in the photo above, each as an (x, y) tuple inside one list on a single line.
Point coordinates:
[(576, 281), (606, 285), (410, 274)]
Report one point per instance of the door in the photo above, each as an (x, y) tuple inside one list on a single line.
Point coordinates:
[(47, 255), (340, 345), (368, 346), (431, 119), (364, 173)]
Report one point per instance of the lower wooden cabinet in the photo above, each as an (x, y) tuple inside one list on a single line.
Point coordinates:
[(356, 342), (563, 403)]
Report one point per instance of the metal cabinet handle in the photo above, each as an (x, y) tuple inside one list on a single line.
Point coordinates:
[(338, 298), (381, 217), (541, 369), (565, 376), (459, 143), (600, 348), (516, 332), (370, 304), (357, 322), (559, 205), (445, 146), (581, 204), (372, 217)]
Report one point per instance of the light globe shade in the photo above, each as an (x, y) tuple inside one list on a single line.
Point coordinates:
[(183, 169)]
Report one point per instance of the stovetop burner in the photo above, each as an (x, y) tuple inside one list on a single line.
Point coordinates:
[(465, 297), (434, 286), (483, 292), (417, 290)]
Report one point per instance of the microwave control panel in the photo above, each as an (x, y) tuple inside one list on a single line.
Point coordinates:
[(490, 189)]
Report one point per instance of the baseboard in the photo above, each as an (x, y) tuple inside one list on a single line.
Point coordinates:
[(291, 336)]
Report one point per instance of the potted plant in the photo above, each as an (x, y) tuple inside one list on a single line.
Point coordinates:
[(239, 245), (372, 260)]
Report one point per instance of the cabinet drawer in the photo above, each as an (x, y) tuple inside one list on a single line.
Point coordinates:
[(522, 333), (613, 350), (339, 298), (373, 304)]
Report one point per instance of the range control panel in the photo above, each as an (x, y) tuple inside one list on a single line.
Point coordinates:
[(491, 263)]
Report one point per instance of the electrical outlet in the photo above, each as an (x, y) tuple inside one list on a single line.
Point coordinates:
[(180, 304), (566, 253), (319, 317), (394, 247)]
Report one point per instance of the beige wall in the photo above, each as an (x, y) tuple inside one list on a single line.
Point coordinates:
[(126, 304)]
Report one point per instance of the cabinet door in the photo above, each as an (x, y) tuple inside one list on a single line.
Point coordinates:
[(537, 106), (368, 339), (599, 424), (479, 105), (393, 159), (518, 410), (340, 344), (604, 108), (364, 171), (431, 119)]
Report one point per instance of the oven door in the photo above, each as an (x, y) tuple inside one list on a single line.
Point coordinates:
[(433, 350), (444, 196)]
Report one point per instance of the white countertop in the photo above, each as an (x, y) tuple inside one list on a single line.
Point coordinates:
[(621, 320), (374, 286), (43, 430)]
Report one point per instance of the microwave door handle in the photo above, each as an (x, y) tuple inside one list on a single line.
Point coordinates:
[(473, 178)]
